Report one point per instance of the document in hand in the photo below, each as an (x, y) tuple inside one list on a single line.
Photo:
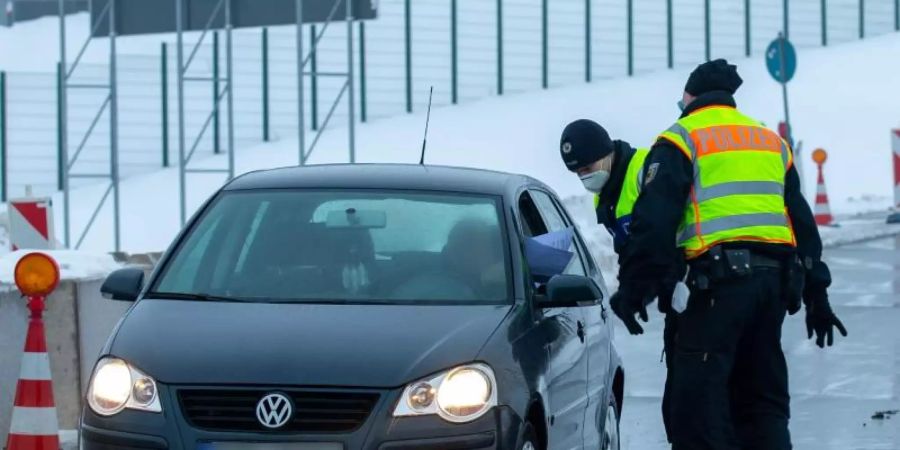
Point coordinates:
[(549, 254)]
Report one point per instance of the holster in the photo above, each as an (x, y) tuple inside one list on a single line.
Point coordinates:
[(793, 283), (720, 264)]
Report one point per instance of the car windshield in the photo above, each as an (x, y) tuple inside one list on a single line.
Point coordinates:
[(342, 246)]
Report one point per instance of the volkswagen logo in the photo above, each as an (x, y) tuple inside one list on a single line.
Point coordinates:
[(274, 410)]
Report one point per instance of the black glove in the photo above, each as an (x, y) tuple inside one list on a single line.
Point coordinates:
[(820, 319), (630, 300)]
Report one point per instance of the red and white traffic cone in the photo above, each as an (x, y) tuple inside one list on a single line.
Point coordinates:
[(821, 209), (34, 424), (895, 144)]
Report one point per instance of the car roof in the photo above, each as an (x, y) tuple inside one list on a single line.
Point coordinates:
[(384, 176)]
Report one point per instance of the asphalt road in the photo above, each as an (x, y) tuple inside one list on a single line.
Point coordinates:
[(838, 392)]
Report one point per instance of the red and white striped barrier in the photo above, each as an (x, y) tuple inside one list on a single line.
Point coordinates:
[(31, 224), (34, 424), (895, 144), (821, 209)]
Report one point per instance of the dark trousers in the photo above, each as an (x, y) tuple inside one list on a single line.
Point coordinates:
[(728, 383)]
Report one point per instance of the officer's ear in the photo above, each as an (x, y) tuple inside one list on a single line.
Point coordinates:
[(687, 98)]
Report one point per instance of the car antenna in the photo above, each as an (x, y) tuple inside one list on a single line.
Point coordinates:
[(427, 120)]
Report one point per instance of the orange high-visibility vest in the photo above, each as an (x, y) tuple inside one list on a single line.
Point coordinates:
[(738, 190)]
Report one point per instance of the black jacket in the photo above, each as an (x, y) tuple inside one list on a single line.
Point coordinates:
[(609, 196), (651, 252)]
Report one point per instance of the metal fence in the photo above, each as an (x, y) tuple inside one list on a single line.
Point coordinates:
[(466, 49)]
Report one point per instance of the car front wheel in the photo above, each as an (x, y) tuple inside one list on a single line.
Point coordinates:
[(529, 438), (611, 427)]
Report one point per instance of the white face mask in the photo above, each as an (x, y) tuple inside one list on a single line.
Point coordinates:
[(595, 181)]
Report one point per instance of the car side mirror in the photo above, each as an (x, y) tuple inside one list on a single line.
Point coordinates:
[(568, 291), (123, 284)]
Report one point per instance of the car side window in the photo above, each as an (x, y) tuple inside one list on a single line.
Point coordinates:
[(551, 214), (532, 222)]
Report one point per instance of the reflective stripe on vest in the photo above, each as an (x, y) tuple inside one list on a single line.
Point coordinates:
[(738, 190)]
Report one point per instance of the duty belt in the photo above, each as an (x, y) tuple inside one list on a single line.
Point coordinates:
[(720, 264), (717, 255), (757, 260)]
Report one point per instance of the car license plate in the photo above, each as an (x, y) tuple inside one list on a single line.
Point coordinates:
[(270, 446)]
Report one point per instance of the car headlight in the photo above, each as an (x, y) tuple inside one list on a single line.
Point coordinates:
[(116, 385), (459, 395)]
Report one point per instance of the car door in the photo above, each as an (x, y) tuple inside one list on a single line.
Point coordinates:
[(564, 340), (598, 328)]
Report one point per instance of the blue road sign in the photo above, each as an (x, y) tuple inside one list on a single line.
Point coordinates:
[(781, 51)]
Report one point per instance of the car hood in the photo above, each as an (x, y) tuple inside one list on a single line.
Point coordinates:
[(199, 342)]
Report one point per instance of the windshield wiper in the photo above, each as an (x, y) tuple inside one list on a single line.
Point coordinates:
[(192, 296)]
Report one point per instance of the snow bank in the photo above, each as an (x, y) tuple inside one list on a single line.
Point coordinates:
[(73, 265), (520, 133), (858, 229)]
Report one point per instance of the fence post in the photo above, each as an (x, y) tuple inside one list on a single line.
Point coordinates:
[(454, 81), (587, 40), (265, 84), (4, 182), (164, 85), (60, 163), (862, 19), (747, 43), (670, 50), (545, 82), (500, 47), (314, 81), (408, 32), (824, 23), (787, 18), (630, 8), (896, 15), (363, 112), (706, 29), (215, 83)]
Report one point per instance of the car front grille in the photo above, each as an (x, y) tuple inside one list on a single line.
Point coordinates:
[(314, 411)]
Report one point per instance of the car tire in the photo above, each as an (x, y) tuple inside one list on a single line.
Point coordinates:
[(611, 436), (529, 438)]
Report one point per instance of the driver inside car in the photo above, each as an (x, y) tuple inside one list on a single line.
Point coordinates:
[(473, 254), (470, 268)]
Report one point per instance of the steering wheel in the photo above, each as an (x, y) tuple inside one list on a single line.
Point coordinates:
[(434, 286)]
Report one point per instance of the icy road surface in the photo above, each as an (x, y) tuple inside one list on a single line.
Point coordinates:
[(835, 392)]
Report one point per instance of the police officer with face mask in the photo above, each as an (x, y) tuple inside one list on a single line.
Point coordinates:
[(614, 172), (609, 169)]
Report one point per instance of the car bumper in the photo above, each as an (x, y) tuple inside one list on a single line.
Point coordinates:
[(498, 429)]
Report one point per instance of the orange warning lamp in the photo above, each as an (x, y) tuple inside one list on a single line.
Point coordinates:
[(819, 156), (36, 274)]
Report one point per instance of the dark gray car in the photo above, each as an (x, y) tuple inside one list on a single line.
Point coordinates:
[(362, 307)]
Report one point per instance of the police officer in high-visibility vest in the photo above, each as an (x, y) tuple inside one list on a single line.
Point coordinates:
[(729, 189), (614, 171)]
